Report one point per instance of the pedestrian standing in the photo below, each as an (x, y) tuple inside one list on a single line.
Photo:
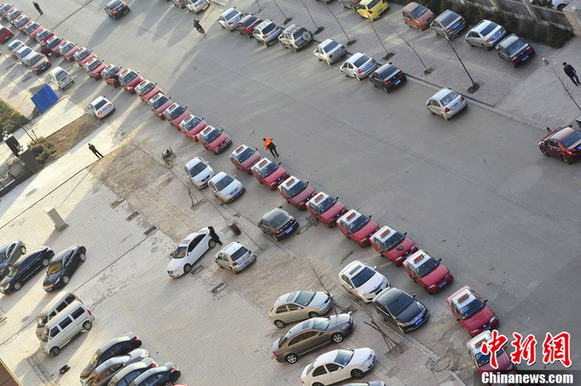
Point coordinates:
[(269, 145), (37, 7), (571, 73), (199, 27), (214, 235), (95, 151)]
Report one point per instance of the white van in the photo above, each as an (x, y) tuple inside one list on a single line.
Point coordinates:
[(64, 327), (61, 78), (54, 307)]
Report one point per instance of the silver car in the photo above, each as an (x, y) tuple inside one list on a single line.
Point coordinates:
[(448, 24), (266, 32), (446, 103), (14, 46), (23, 53), (299, 305), (9, 253), (199, 172), (359, 66), (310, 335), (226, 187), (107, 370), (229, 18), (197, 6), (485, 34), (129, 373), (235, 257), (330, 51)]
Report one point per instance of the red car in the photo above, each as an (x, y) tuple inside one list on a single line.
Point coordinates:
[(38, 63), (244, 158), (427, 271), (13, 14), (111, 74), (470, 310), (357, 227), (5, 9), (296, 192), (83, 55), (192, 125), (393, 245), (68, 50), (159, 103), (482, 362), (147, 90), (43, 35), (326, 208), (214, 139), (269, 173), (246, 25), (94, 68), (175, 114), (129, 79), (563, 143), (5, 34), (32, 29), (20, 21), (52, 46)]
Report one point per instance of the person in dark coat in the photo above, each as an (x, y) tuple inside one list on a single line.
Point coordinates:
[(95, 151), (571, 73), (199, 27), (37, 7), (214, 235)]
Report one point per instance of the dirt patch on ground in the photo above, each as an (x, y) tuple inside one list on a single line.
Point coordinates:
[(70, 135)]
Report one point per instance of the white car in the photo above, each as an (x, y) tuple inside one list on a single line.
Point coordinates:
[(189, 251), (199, 172), (359, 66), (362, 281), (197, 6), (446, 103), (14, 46), (330, 51), (267, 32), (226, 187), (23, 53), (485, 34), (235, 257), (229, 18), (101, 107), (338, 365)]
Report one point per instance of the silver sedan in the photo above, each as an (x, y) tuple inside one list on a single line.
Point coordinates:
[(485, 34), (446, 103), (235, 257), (299, 305), (199, 172), (330, 51), (359, 66), (267, 32), (225, 187)]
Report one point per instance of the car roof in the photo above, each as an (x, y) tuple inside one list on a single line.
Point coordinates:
[(196, 161), (328, 357), (482, 25), (411, 6), (302, 326), (463, 295), (111, 342), (507, 41), (389, 294), (384, 233), (442, 93), (352, 268), (264, 162), (186, 241), (134, 366), (318, 198), (475, 343), (219, 176), (562, 133), (445, 14), (98, 99), (273, 213), (350, 216), (286, 298), (356, 56), (232, 247)]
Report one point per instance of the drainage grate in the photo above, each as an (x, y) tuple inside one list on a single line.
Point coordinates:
[(132, 216), (218, 288), (116, 203), (150, 230)]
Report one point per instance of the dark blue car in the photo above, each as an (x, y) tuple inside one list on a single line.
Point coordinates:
[(116, 8), (24, 268)]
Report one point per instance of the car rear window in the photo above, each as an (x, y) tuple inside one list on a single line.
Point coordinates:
[(332, 44), (231, 14), (212, 135), (388, 72), (100, 104), (572, 139), (159, 102), (449, 19), (248, 22), (488, 29), (419, 11), (449, 98), (244, 155), (515, 47), (359, 62), (239, 253), (268, 28)]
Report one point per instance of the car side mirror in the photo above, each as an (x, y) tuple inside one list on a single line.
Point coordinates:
[(279, 163), (414, 296), (308, 182), (336, 198), (222, 130), (457, 319), (405, 233), (375, 267), (440, 260), (485, 301), (186, 107), (370, 215)]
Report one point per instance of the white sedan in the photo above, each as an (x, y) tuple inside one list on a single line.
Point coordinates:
[(199, 172), (197, 6), (226, 187), (235, 257), (362, 281), (101, 107), (446, 103), (189, 251), (359, 66), (229, 18), (330, 51), (338, 365)]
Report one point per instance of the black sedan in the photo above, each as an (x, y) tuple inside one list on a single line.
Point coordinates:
[(388, 77), (24, 268), (278, 223), (159, 375), (514, 49), (117, 346), (62, 267), (116, 8), (9, 253), (404, 310)]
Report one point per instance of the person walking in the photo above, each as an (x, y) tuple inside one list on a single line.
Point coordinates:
[(95, 151), (269, 145), (199, 27), (214, 235), (571, 73), (37, 7)]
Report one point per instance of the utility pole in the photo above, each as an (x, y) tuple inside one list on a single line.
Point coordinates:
[(475, 86), (319, 29), (286, 19), (388, 54), (349, 41)]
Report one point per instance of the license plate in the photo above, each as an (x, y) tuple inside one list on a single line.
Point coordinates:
[(398, 82), (455, 25), (525, 58), (419, 321), (443, 284), (456, 105)]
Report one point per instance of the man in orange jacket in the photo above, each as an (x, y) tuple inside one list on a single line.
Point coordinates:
[(269, 145)]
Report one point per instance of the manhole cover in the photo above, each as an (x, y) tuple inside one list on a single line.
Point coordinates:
[(218, 288)]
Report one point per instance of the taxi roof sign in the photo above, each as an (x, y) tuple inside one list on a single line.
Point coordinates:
[(262, 163), (319, 196), (290, 181), (239, 149), (351, 215), (207, 129), (385, 233), (480, 342), (420, 257), (463, 297)]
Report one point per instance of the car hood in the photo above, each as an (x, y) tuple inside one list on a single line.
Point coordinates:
[(360, 355), (203, 175), (319, 300), (338, 320), (219, 139), (435, 276), (478, 319), (176, 263), (51, 279), (371, 284), (411, 311)]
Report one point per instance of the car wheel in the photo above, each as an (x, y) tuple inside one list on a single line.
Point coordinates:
[(66, 280), (23, 249), (357, 373), (319, 383), (544, 152), (211, 244), (87, 325), (566, 160), (291, 358), (337, 338), (55, 351), (83, 256), (17, 286), (175, 376), (45, 262), (313, 314), (187, 268), (279, 323)]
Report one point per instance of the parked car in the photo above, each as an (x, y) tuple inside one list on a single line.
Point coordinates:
[(299, 305), (563, 143), (111, 74), (5, 9), (128, 374), (9, 254), (20, 20), (371, 9), (94, 68), (393, 244), (159, 103), (14, 46), (326, 208), (24, 268), (514, 49), (120, 345), (338, 365), (278, 223), (37, 63), (235, 257), (43, 35), (358, 66), (400, 308), (214, 140), (427, 271), (448, 24), (296, 192), (417, 16), (266, 32), (101, 107), (311, 335), (68, 50), (190, 250), (244, 157), (23, 53), (199, 171), (246, 25), (472, 311), (226, 187), (54, 44), (83, 55), (63, 266), (485, 34), (229, 18), (192, 125), (107, 370), (295, 37), (167, 374), (197, 6), (175, 114), (129, 79), (269, 173), (116, 8), (330, 51), (482, 362), (362, 281), (146, 89), (5, 34), (387, 77), (446, 103), (32, 29), (357, 227)]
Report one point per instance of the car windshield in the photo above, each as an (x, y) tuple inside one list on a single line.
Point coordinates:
[(83, 54), (239, 253), (359, 62), (400, 303), (572, 139), (111, 70), (358, 223), (147, 88), (66, 47), (427, 267), (13, 270), (388, 72), (180, 253), (515, 47), (326, 204), (224, 182), (362, 277), (330, 46), (54, 42), (128, 77), (94, 65), (449, 98), (268, 28), (295, 189), (195, 121), (418, 11), (177, 112), (488, 29), (35, 59), (471, 308), (393, 241), (245, 154), (210, 136), (343, 357), (159, 102), (100, 104), (197, 169), (279, 220), (449, 19), (271, 167), (54, 268), (305, 298)]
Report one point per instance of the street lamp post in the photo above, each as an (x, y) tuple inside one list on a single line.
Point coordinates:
[(349, 41), (319, 28), (388, 54), (286, 19), (475, 86)]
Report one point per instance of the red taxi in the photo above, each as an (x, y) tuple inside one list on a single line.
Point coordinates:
[(392, 244), (159, 103), (20, 21), (357, 227), (68, 51), (214, 139), (472, 311), (83, 55), (482, 362), (5, 34), (175, 114), (269, 173), (111, 74), (54, 44), (43, 35), (32, 29), (296, 192), (129, 79), (192, 125), (326, 208), (244, 158), (94, 68), (147, 90), (427, 271)]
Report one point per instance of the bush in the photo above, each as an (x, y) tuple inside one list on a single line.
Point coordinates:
[(42, 150), (557, 37), (10, 120)]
